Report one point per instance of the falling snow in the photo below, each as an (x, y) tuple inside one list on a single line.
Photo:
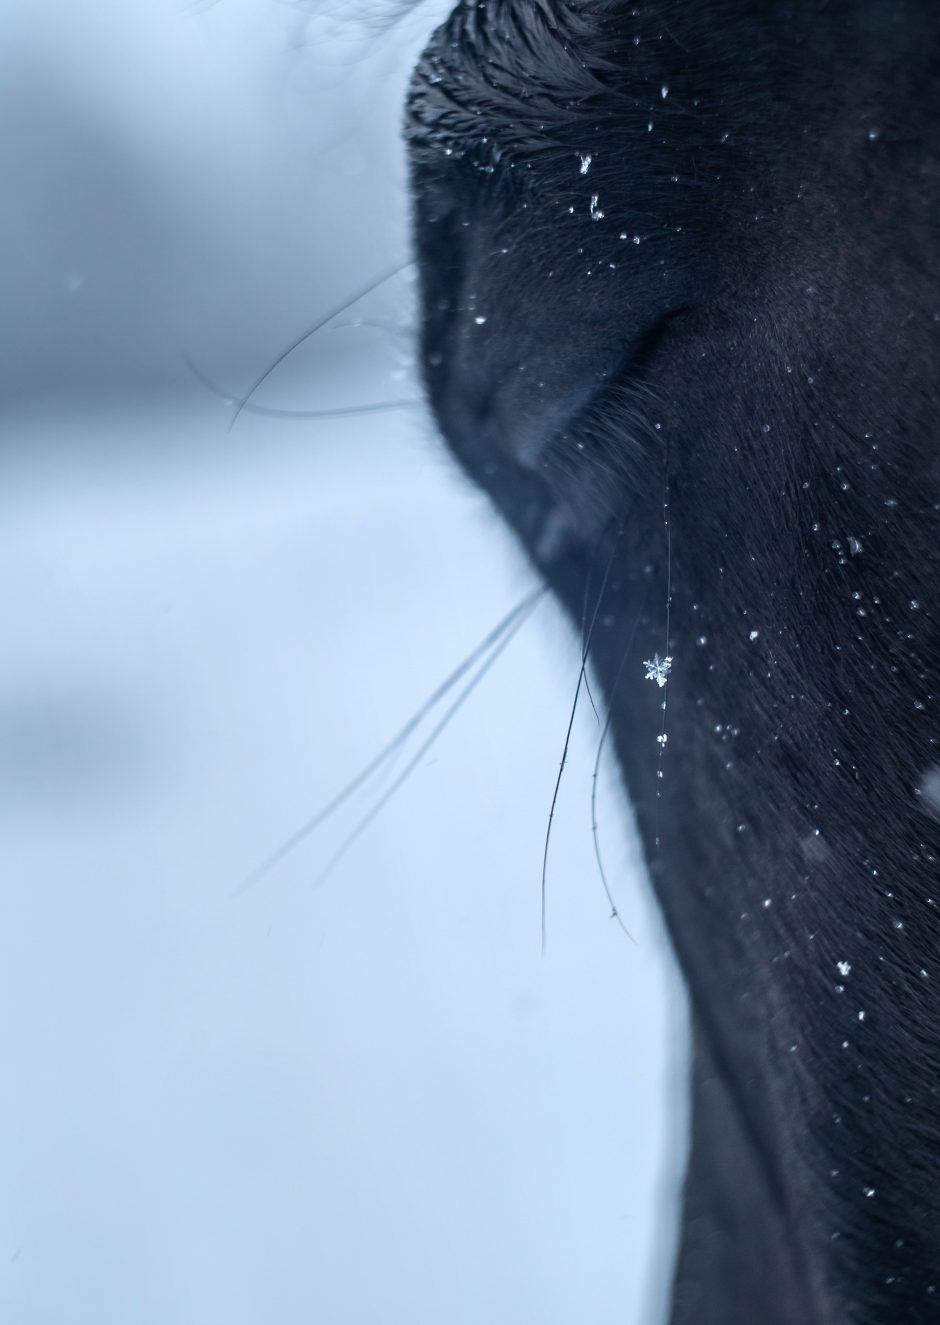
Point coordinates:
[(658, 669)]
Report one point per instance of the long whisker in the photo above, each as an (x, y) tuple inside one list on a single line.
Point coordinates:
[(582, 675), (248, 407), (614, 912), (584, 613), (312, 330), (524, 611), (343, 795)]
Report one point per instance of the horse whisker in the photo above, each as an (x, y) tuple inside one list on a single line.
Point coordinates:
[(392, 746), (582, 678), (525, 611), (343, 411), (312, 330)]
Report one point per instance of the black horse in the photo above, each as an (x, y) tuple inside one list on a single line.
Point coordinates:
[(680, 319)]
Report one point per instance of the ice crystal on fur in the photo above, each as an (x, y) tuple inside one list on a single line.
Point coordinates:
[(658, 669)]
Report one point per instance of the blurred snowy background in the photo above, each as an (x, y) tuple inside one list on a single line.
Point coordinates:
[(368, 1100)]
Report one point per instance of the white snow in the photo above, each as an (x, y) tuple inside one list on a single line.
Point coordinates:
[(658, 669)]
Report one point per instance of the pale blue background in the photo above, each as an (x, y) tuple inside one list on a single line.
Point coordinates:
[(370, 1101)]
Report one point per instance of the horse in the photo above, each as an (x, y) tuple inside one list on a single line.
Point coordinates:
[(679, 319)]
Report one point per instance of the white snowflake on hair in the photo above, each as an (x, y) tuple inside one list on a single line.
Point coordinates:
[(658, 670)]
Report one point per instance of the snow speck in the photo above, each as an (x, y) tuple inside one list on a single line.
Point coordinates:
[(861, 1014), (596, 213), (661, 740), (658, 669), (869, 1192), (664, 91), (855, 546), (586, 159), (843, 968), (753, 635), (479, 321)]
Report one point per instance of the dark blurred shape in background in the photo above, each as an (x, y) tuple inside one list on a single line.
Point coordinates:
[(184, 178)]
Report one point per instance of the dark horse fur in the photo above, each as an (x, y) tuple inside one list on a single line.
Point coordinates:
[(679, 280)]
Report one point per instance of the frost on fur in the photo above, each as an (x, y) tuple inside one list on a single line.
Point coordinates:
[(658, 670)]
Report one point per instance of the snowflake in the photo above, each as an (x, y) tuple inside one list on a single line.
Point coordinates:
[(658, 670)]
